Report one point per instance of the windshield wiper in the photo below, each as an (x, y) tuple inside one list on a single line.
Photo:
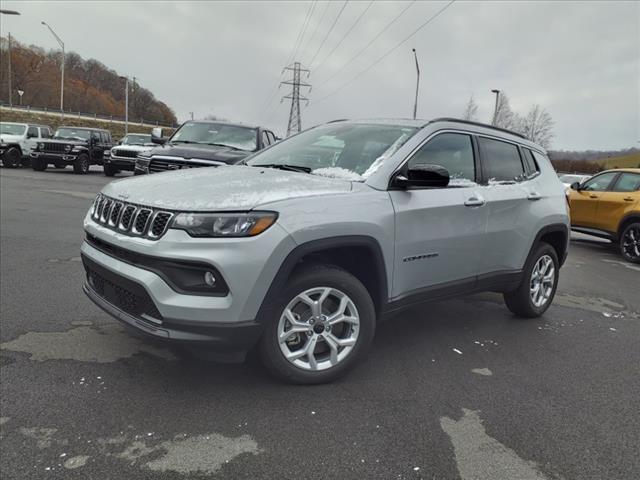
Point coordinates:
[(284, 166)]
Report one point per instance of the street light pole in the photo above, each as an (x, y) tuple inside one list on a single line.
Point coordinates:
[(495, 110), (61, 68), (126, 104), (415, 104), (9, 12)]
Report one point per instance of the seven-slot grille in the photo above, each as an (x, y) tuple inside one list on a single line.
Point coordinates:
[(129, 218), (54, 147), (121, 152)]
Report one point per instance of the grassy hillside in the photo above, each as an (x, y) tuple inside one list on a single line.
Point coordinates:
[(625, 161), (54, 121)]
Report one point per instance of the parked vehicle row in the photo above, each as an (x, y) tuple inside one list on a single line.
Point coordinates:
[(18, 140)]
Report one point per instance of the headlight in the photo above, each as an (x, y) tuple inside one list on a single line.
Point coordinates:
[(41, 146), (224, 224), (67, 148)]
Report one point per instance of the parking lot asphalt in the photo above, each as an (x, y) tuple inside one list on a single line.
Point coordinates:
[(458, 389)]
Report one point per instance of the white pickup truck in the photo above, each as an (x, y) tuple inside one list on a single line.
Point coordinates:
[(17, 140)]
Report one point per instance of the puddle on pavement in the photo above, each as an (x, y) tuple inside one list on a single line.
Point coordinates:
[(103, 344), (482, 371), (479, 456)]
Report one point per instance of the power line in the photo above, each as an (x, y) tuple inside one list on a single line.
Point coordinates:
[(315, 31), (361, 51), (429, 20), (328, 32), (303, 31), (344, 36)]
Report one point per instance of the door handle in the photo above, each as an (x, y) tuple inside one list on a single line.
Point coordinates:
[(476, 201), (628, 199), (534, 196), (593, 196)]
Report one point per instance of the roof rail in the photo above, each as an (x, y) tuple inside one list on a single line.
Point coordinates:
[(338, 120), (477, 124)]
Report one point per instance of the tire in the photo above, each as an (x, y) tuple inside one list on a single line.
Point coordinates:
[(81, 165), (38, 165), (12, 158), (521, 301), (60, 165), (630, 242), (110, 170), (332, 359)]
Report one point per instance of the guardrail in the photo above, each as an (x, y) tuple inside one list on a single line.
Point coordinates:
[(81, 115)]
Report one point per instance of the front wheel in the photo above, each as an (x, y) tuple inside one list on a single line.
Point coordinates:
[(38, 165), (630, 243), (322, 325), (535, 293), (81, 165), (110, 170)]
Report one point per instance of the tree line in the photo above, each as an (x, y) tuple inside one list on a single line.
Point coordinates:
[(90, 86)]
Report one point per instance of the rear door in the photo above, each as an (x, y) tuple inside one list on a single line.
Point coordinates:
[(31, 140), (437, 235), (584, 202), (512, 196)]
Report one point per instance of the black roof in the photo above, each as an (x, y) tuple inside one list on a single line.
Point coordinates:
[(477, 124)]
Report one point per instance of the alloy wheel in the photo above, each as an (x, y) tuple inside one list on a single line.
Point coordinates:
[(631, 242), (318, 329), (542, 281)]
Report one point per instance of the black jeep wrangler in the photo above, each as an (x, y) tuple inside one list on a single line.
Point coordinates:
[(77, 146)]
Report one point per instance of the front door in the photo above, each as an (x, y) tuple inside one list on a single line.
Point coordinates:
[(439, 230), (616, 202), (584, 202)]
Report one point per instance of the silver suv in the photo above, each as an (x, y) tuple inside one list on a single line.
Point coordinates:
[(305, 247)]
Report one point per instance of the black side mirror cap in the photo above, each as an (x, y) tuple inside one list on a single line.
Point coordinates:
[(156, 136), (575, 186), (422, 175)]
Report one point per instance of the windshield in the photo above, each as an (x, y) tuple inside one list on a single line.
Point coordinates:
[(72, 134), (12, 129), (136, 139), (348, 151), (207, 133)]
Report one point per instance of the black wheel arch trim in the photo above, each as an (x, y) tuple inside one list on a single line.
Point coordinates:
[(553, 228), (318, 246), (624, 220)]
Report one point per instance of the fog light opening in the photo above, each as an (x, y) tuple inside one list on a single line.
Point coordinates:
[(210, 279)]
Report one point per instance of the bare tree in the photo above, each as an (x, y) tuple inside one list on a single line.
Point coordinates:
[(471, 110), (537, 126), (505, 117)]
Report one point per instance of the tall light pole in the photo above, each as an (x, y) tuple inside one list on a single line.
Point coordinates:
[(126, 104), (9, 12), (61, 68), (495, 110), (415, 103)]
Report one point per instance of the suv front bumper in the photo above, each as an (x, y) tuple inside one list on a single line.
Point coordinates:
[(121, 163), (54, 157)]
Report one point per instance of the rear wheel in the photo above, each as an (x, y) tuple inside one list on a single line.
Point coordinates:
[(38, 165), (110, 170), (81, 165), (630, 242), (322, 325), (538, 287), (12, 157)]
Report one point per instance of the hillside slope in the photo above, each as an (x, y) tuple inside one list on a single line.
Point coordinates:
[(90, 86)]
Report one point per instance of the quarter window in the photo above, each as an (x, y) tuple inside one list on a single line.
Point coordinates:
[(453, 151), (500, 160), (530, 162), (628, 182), (265, 139), (599, 183)]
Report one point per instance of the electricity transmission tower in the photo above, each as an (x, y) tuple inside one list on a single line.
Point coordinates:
[(295, 123)]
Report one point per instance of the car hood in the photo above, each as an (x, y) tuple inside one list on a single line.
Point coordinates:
[(230, 188), (200, 152), (4, 138)]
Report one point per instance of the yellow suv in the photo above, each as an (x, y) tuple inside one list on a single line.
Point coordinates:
[(608, 205)]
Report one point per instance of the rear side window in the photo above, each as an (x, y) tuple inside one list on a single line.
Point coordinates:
[(453, 151), (530, 162), (500, 160), (32, 132), (45, 133), (628, 182)]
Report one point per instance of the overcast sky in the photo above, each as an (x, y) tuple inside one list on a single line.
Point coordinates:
[(579, 60)]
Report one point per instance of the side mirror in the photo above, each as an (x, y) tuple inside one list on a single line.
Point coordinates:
[(575, 186), (423, 175), (156, 136)]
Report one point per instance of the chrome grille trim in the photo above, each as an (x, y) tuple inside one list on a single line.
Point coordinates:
[(129, 218)]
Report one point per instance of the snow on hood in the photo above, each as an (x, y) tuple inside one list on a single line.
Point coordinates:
[(222, 188), (7, 138)]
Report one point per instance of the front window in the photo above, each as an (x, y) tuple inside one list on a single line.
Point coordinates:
[(600, 183), (67, 133), (219, 134), (136, 139), (454, 151), (349, 151), (12, 129)]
